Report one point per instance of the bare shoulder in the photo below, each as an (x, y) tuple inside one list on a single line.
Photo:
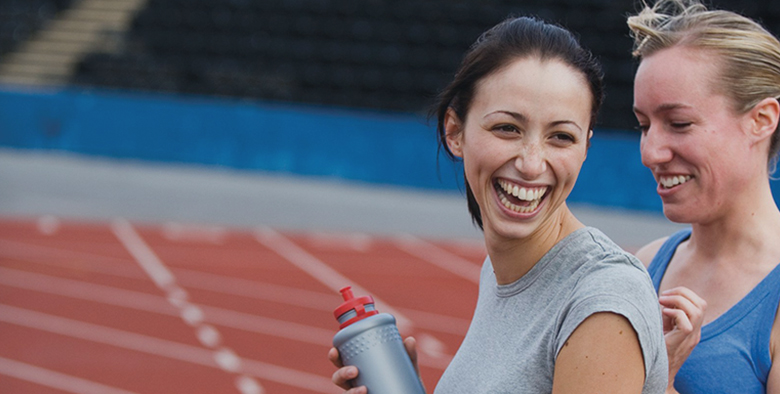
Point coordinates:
[(646, 253), (773, 381), (587, 363)]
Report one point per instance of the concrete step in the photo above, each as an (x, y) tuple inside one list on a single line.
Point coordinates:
[(88, 25), (31, 80), (42, 57), (52, 54), (34, 69)]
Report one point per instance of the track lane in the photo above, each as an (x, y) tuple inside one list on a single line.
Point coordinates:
[(271, 315)]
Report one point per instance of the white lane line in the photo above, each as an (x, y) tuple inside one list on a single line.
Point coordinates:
[(356, 242), (178, 232), (248, 385), (322, 272), (209, 336), (48, 224), (156, 304), (92, 262), (44, 254), (286, 295), (437, 322), (158, 347), (163, 277), (192, 315), (219, 284), (227, 360), (260, 291), (143, 254), (439, 257), (55, 380)]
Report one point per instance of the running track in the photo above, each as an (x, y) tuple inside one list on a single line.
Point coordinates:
[(118, 307)]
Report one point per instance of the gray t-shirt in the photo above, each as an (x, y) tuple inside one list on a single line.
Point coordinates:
[(518, 329)]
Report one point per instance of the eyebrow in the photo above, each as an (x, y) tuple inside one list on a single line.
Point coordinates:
[(518, 116), (664, 108)]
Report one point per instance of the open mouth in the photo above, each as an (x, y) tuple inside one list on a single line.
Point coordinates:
[(668, 182), (517, 198)]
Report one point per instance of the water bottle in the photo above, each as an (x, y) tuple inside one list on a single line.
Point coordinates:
[(370, 341)]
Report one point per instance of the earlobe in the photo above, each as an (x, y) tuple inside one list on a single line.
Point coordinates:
[(765, 116), (587, 144), (454, 133)]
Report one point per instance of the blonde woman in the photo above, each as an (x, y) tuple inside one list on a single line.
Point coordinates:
[(705, 96)]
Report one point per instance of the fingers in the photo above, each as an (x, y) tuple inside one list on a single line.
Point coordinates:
[(683, 306), (678, 319), (343, 375), (333, 356), (679, 294), (411, 348)]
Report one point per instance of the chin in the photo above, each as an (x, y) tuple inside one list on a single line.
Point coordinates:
[(679, 214)]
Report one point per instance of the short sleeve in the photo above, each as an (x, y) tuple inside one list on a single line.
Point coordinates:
[(627, 292)]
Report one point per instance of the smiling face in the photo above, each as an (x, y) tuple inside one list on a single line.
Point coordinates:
[(523, 143), (693, 141)]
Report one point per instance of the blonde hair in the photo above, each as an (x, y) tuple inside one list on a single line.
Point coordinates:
[(748, 55)]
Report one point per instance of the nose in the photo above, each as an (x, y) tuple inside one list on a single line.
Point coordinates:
[(531, 161), (655, 148)]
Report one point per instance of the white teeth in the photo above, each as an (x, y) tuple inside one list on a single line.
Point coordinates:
[(525, 194), (672, 181), (518, 208)]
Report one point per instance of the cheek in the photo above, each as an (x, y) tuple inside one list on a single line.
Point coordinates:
[(566, 168)]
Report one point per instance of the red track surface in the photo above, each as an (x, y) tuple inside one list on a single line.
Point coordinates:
[(126, 308)]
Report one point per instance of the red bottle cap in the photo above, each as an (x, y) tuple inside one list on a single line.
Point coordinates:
[(354, 309)]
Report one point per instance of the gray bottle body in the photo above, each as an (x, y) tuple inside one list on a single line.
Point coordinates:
[(375, 347)]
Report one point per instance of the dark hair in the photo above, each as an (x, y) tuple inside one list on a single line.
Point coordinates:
[(512, 39)]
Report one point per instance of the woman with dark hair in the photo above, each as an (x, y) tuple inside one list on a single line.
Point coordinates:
[(561, 308)]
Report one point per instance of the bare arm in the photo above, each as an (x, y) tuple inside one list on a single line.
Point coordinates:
[(773, 381), (602, 355)]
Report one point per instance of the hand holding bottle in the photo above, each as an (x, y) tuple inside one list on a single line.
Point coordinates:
[(369, 351), (343, 374)]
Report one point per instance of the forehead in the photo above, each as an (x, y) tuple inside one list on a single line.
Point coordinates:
[(536, 84), (676, 73)]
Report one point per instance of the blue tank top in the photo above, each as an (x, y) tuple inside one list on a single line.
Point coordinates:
[(733, 353)]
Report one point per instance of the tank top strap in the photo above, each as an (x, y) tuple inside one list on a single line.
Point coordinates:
[(660, 262)]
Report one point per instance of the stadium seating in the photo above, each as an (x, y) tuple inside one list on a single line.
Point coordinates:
[(372, 54), (19, 19)]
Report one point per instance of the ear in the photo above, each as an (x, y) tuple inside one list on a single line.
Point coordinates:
[(764, 118), (587, 144), (454, 133)]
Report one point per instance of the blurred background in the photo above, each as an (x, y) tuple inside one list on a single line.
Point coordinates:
[(334, 90), (303, 116)]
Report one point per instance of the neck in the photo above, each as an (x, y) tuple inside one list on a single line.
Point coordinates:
[(741, 231), (514, 257)]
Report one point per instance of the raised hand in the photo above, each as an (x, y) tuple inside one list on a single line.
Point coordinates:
[(683, 315)]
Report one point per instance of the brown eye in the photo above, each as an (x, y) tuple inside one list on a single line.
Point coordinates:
[(564, 137), (506, 128)]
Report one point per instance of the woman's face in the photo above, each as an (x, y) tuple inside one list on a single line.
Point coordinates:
[(523, 143), (692, 139)]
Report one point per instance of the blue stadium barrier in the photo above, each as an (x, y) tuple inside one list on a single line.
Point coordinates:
[(361, 146)]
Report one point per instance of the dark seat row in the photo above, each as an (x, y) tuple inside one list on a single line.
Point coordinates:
[(20, 19), (384, 54)]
